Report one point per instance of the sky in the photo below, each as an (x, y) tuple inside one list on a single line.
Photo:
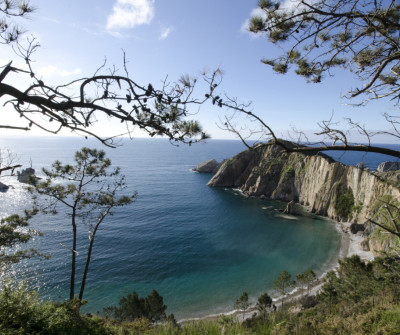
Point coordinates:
[(174, 37)]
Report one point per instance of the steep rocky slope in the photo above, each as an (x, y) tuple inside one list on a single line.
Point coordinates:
[(326, 187)]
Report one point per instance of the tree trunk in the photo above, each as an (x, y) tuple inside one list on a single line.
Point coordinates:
[(72, 282), (89, 253)]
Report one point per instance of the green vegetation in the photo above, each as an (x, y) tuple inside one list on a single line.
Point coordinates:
[(287, 171), (389, 243), (283, 283), (264, 304), (306, 278), (242, 303), (133, 307), (22, 313), (344, 203), (387, 212), (89, 193), (14, 230), (359, 299), (386, 217), (390, 177)]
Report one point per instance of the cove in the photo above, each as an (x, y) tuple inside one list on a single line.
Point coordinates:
[(199, 247)]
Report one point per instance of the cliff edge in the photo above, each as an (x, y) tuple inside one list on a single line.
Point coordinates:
[(326, 187)]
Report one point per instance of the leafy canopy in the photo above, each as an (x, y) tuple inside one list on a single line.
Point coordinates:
[(88, 190), (361, 36), (14, 231), (133, 307)]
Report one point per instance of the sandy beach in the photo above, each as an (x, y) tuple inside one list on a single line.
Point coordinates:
[(349, 246)]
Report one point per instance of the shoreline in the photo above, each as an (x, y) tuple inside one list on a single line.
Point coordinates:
[(349, 246)]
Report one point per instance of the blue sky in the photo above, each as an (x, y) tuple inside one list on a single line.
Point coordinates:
[(175, 37)]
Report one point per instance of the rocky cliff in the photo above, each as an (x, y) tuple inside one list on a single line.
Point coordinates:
[(326, 187)]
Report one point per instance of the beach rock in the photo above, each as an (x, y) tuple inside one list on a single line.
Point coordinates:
[(355, 228), (4, 187), (207, 167), (291, 208), (25, 175), (364, 245), (388, 166)]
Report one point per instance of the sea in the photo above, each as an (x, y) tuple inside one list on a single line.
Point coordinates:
[(199, 247)]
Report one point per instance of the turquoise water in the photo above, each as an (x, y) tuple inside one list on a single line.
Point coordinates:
[(199, 247)]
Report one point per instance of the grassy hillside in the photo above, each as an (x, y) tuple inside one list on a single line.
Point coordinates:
[(359, 299)]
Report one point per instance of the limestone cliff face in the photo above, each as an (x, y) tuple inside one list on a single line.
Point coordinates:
[(316, 181)]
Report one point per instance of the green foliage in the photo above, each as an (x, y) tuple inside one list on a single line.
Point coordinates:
[(268, 62), (280, 68), (256, 24), (264, 304), (293, 55), (341, 286), (226, 320), (135, 327), (344, 203), (390, 80), (242, 303), (265, 4), (390, 243), (13, 231), (201, 327), (359, 36), (386, 217), (88, 190), (359, 299), (306, 278), (303, 68), (283, 283), (288, 170), (133, 307), (22, 313)]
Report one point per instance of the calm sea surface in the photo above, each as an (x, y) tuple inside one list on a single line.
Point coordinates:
[(199, 247)]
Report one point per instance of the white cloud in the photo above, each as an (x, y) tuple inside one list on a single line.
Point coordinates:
[(287, 4), (165, 32), (295, 4), (49, 19), (53, 71), (130, 13)]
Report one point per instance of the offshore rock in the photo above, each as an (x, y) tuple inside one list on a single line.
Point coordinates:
[(207, 167), (26, 175), (388, 166), (4, 187), (291, 208), (311, 179)]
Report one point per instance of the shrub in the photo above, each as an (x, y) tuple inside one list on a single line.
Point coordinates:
[(133, 307), (21, 312), (344, 203)]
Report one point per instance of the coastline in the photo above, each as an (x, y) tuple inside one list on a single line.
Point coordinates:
[(349, 246)]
